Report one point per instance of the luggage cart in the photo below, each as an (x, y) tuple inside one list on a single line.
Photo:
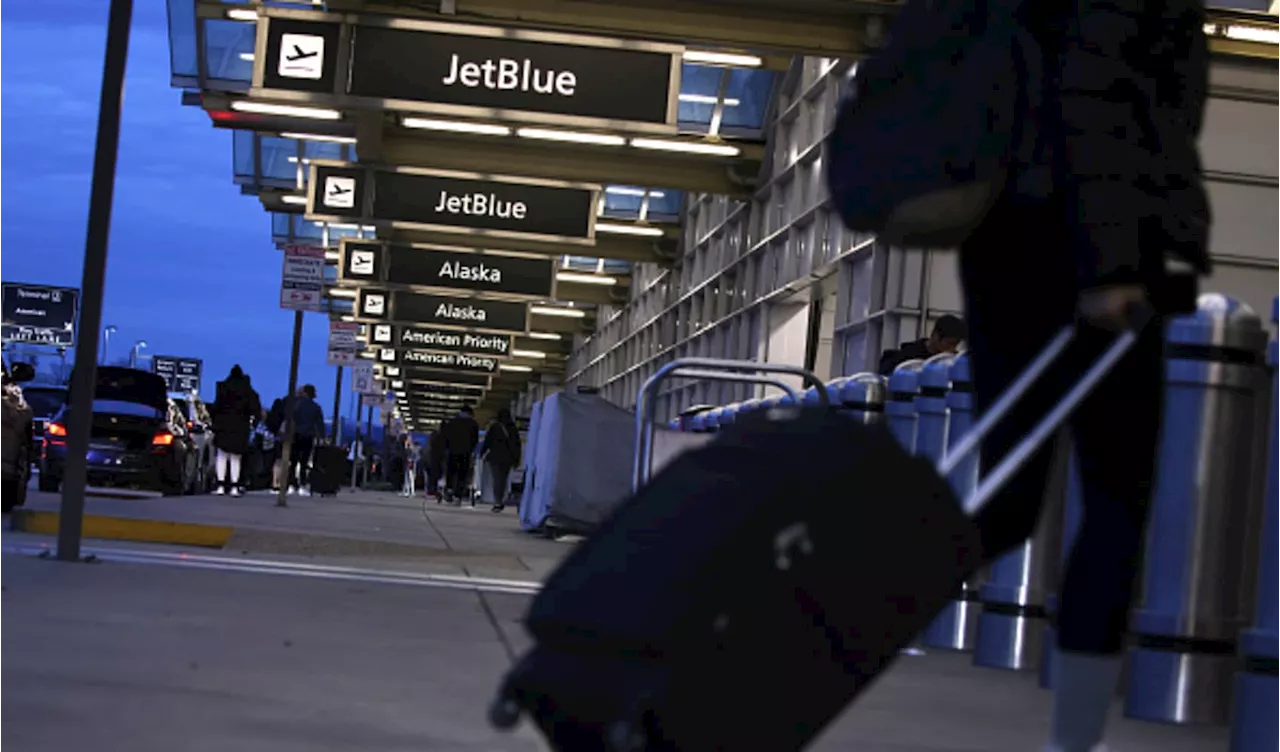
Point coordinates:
[(712, 369)]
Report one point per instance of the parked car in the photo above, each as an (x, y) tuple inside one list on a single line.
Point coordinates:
[(15, 445), (200, 426), (45, 401), (138, 439)]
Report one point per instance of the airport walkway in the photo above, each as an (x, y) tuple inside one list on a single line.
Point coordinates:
[(391, 647)]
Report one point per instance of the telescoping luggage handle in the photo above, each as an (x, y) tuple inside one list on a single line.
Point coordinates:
[(989, 485), (743, 371)]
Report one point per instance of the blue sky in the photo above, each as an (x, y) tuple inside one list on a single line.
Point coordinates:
[(191, 267)]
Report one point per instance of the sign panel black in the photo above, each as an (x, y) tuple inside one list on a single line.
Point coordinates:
[(453, 390), (437, 376), (432, 359), (513, 74), (443, 310), (39, 314), (483, 204), (181, 374), (301, 55), (441, 340), (426, 266)]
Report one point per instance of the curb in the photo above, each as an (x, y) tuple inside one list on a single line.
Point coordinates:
[(126, 529)]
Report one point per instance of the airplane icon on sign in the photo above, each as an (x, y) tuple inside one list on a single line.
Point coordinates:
[(298, 54)]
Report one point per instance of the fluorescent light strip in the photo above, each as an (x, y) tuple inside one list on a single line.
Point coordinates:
[(652, 232), (294, 160), (569, 313), (618, 190), (295, 200), (706, 57), (707, 99), (285, 110), (347, 318), (332, 255), (319, 137), (247, 57), (586, 279), (240, 14), (342, 292), (544, 335), (535, 354), (455, 126), (577, 137), (686, 147), (1242, 33), (515, 368)]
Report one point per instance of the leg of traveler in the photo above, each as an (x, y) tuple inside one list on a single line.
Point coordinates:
[(233, 479), (1019, 290), (302, 447), (220, 470), (500, 475), (455, 476)]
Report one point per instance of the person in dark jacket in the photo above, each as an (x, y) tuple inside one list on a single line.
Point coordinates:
[(461, 436), (236, 407), (437, 456), (1124, 207), (500, 451), (948, 332), (308, 420)]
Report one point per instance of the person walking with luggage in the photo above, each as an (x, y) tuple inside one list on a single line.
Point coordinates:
[(1127, 207), (461, 435), (236, 407), (947, 334), (500, 452), (410, 450), (308, 420)]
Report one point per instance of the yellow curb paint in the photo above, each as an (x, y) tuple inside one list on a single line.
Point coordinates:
[(128, 529)]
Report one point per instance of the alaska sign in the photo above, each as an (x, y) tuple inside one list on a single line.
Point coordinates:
[(501, 316), (465, 70), (490, 272), (456, 202)]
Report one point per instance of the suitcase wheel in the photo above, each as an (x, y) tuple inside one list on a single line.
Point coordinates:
[(504, 712)]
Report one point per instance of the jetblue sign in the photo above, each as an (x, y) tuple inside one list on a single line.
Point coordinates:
[(411, 65), (440, 340), (444, 201), (442, 310), (504, 274)]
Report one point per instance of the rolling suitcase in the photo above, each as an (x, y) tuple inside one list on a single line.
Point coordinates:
[(736, 604), (328, 469)]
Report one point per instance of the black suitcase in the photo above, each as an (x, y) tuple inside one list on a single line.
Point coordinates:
[(329, 469), (735, 603)]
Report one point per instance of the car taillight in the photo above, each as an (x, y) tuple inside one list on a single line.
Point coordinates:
[(162, 438), (56, 429)]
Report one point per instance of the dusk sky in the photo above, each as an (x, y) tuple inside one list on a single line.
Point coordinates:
[(191, 267)]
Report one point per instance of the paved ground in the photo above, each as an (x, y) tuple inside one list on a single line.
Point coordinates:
[(139, 657), (359, 527)]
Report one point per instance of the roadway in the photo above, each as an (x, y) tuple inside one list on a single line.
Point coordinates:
[(363, 623)]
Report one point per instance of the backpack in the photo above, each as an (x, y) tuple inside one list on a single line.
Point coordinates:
[(924, 147)]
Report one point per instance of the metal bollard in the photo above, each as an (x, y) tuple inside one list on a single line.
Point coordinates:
[(861, 397), (1253, 727), (900, 409), (1196, 582), (1072, 513), (955, 627)]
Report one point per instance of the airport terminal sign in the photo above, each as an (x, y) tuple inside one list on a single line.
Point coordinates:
[(39, 314), (469, 70), (442, 201), (442, 310), (181, 374), (429, 358), (441, 340), (492, 272), (438, 376)]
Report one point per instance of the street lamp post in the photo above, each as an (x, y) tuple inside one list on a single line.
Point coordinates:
[(133, 353), (106, 342)]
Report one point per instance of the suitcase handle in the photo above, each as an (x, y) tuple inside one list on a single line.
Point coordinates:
[(994, 480), (741, 371)]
